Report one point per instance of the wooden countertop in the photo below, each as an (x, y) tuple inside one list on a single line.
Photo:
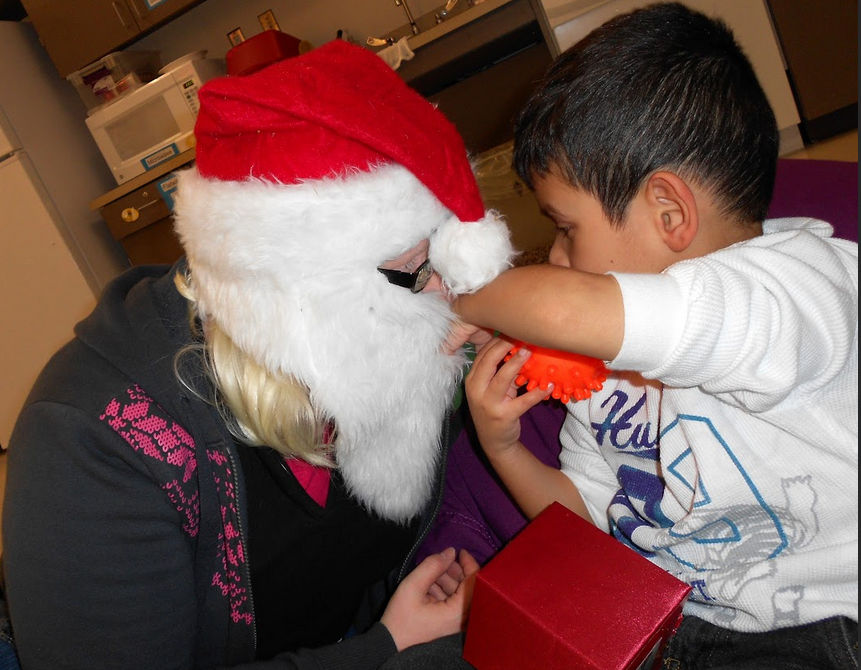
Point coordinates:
[(142, 179)]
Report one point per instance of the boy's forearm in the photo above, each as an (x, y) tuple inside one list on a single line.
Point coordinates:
[(552, 307), (534, 485)]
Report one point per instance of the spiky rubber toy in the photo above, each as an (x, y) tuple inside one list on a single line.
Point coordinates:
[(572, 375)]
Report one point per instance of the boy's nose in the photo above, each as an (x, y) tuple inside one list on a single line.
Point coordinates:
[(558, 256)]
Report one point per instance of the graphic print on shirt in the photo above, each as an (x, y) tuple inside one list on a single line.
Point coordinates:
[(717, 548)]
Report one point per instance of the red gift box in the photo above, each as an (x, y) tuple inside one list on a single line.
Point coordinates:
[(565, 595)]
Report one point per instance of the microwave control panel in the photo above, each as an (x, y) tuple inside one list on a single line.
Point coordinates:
[(189, 77), (190, 87)]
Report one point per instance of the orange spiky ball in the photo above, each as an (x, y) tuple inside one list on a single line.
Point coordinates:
[(572, 375)]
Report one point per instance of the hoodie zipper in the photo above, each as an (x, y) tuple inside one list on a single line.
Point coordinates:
[(246, 568), (440, 489)]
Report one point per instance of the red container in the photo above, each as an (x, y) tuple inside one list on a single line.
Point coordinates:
[(563, 595), (259, 51)]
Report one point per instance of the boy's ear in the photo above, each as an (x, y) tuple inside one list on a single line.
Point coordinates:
[(674, 209)]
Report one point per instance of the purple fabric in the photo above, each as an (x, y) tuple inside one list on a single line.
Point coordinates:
[(822, 189), (477, 514)]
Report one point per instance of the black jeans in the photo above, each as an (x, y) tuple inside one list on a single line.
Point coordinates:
[(441, 654), (831, 644)]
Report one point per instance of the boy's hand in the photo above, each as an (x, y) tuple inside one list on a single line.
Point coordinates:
[(493, 397), (433, 600)]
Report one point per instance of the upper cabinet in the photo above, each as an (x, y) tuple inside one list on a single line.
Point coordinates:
[(820, 45), (78, 33)]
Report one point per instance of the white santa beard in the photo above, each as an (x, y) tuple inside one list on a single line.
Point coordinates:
[(390, 406)]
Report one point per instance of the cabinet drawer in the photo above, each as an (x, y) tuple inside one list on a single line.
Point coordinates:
[(153, 244), (142, 222), (134, 211)]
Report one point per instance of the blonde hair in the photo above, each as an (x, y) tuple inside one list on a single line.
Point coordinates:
[(261, 408)]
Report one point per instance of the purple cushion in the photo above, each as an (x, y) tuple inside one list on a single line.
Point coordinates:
[(821, 189), (477, 514)]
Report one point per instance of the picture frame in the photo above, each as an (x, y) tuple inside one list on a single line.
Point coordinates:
[(235, 37), (267, 20)]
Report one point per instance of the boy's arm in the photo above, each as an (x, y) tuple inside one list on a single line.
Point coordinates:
[(534, 485), (552, 307), (496, 409)]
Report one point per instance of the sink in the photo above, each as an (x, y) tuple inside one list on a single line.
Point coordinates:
[(463, 13), (431, 21), (472, 38)]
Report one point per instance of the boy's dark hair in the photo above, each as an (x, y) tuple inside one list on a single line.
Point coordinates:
[(663, 87)]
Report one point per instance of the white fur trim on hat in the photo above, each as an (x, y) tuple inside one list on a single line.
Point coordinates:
[(469, 255)]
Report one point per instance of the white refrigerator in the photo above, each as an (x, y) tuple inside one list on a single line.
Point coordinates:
[(55, 254)]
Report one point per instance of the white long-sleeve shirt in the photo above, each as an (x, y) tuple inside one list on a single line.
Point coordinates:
[(730, 456)]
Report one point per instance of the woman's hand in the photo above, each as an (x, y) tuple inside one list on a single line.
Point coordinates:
[(433, 600)]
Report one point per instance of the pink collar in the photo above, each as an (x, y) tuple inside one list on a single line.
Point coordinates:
[(313, 478)]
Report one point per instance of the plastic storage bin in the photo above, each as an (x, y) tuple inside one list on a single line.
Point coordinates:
[(117, 73)]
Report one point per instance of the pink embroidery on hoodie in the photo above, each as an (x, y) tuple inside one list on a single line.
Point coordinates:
[(150, 430)]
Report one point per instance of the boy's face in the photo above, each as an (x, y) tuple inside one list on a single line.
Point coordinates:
[(585, 238)]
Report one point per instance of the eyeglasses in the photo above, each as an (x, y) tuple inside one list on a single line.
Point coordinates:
[(414, 281)]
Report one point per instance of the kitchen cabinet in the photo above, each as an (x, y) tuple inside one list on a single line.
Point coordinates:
[(820, 44), (139, 214), (78, 33)]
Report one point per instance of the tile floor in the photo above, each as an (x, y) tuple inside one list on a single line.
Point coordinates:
[(842, 147)]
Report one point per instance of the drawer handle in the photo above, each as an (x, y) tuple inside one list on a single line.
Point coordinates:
[(130, 214)]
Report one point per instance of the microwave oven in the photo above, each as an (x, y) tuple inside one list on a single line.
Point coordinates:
[(153, 123)]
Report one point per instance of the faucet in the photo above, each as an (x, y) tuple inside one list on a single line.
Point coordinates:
[(379, 41), (443, 14), (403, 3)]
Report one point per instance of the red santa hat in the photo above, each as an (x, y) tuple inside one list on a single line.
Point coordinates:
[(314, 122)]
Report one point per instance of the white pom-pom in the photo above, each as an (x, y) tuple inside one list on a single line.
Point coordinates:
[(469, 255)]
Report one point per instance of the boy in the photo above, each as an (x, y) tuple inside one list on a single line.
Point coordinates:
[(723, 445)]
